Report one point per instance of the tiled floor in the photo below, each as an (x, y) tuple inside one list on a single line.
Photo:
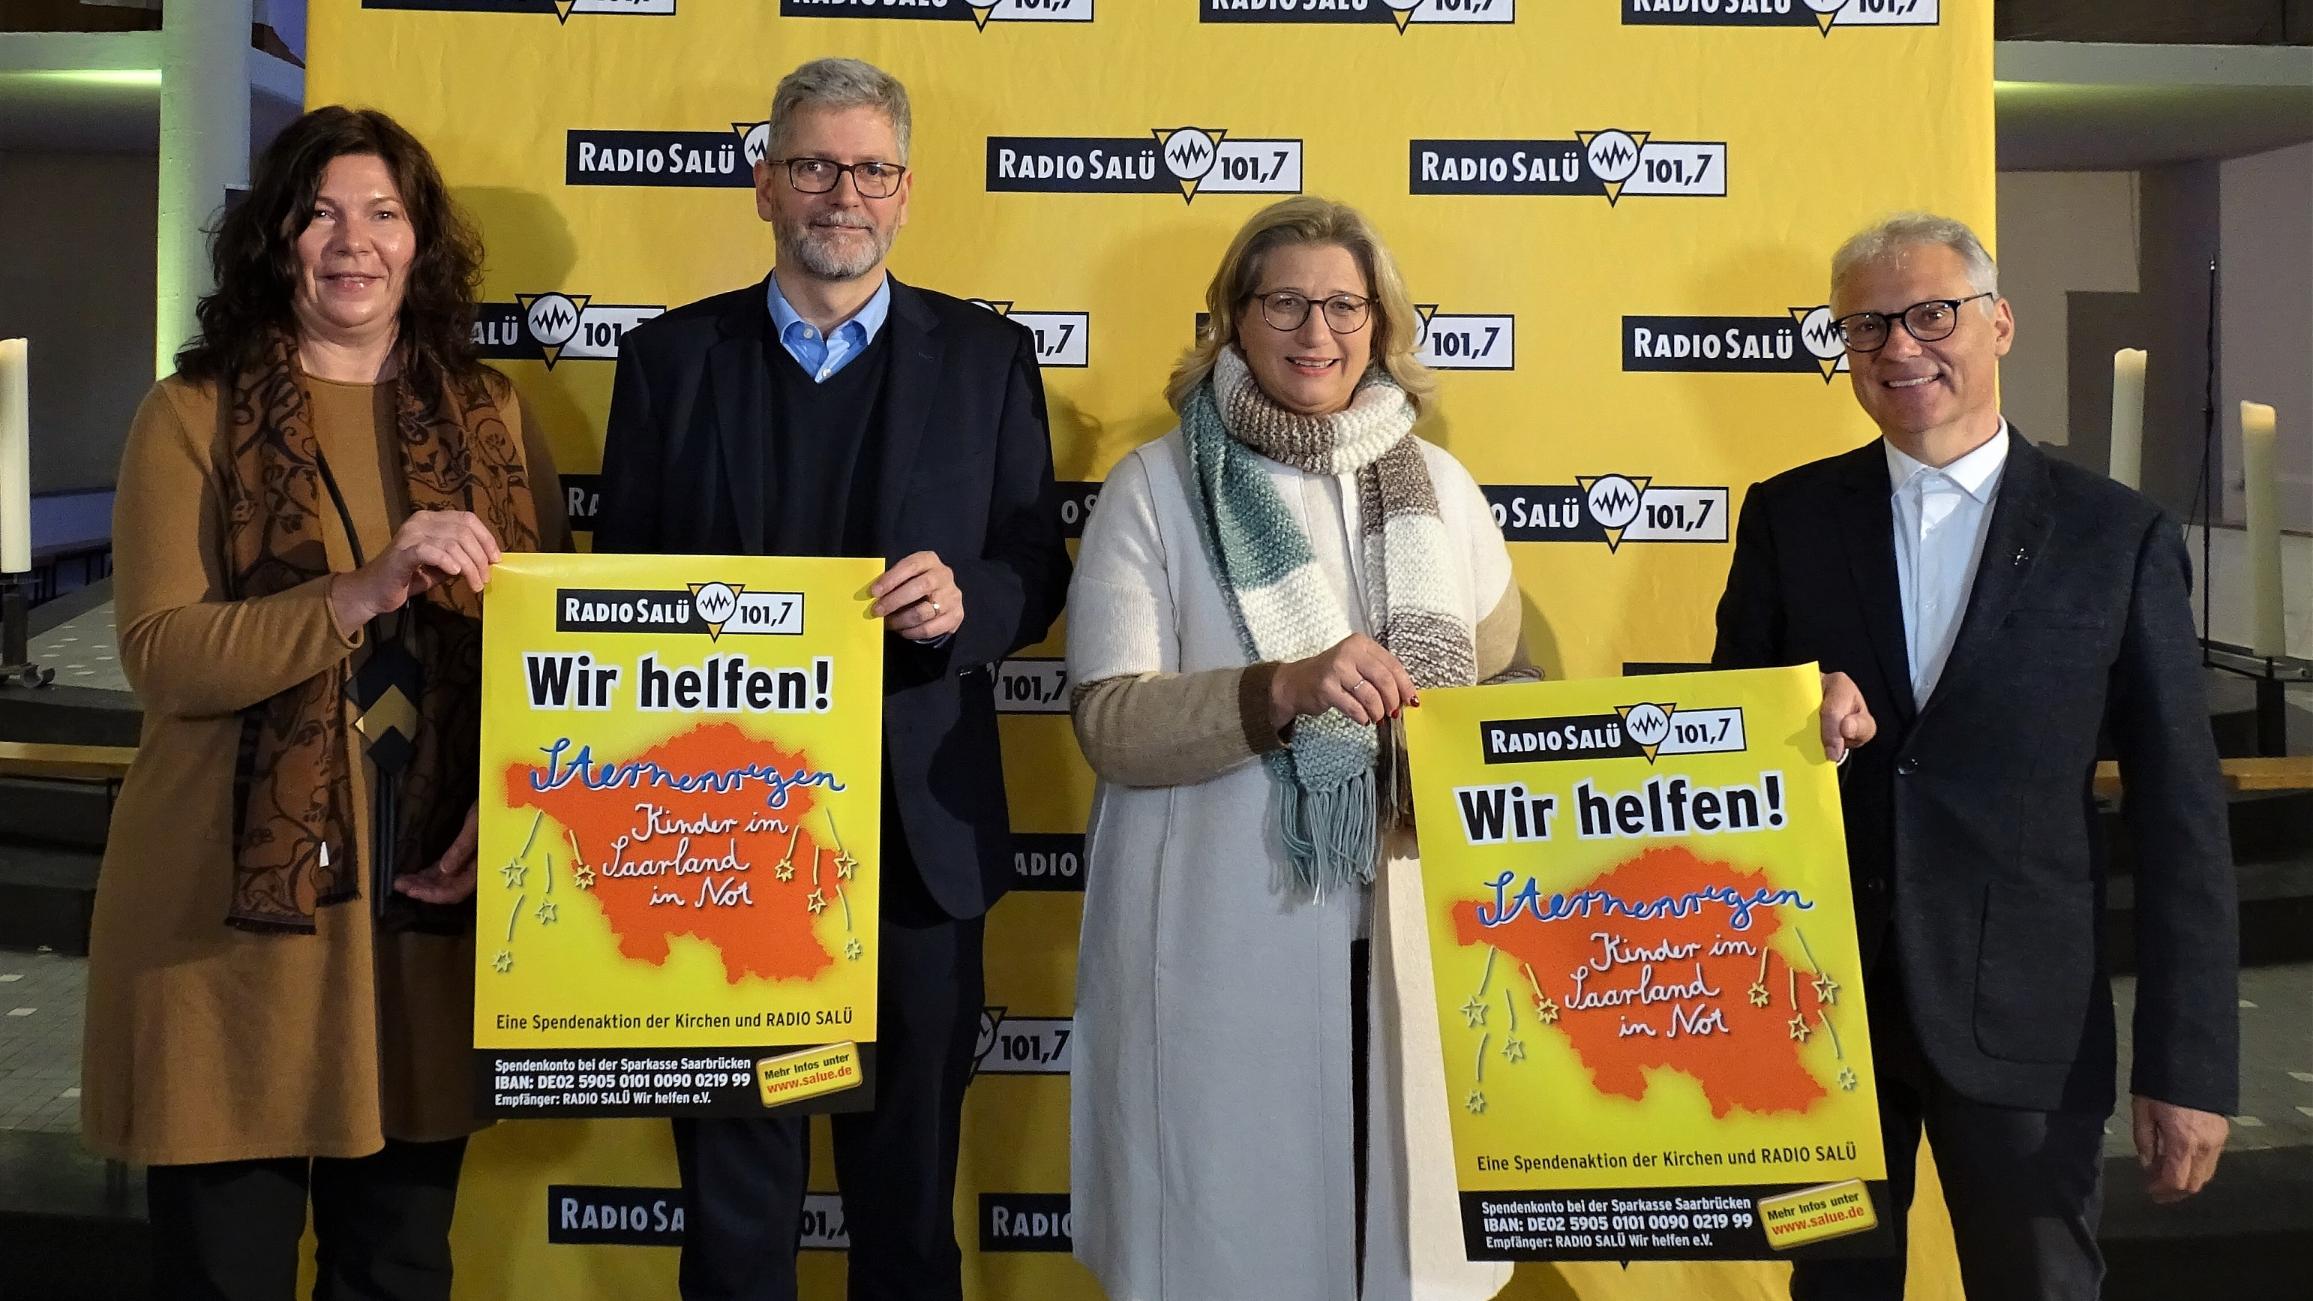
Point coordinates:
[(2276, 1061), (83, 651), (40, 1001)]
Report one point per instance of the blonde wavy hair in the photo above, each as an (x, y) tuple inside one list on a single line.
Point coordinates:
[(1303, 221)]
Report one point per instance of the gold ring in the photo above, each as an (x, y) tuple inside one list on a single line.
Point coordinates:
[(935, 606)]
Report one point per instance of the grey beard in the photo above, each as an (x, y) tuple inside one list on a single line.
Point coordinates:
[(818, 256)]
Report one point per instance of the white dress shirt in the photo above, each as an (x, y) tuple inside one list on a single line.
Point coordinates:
[(1941, 517)]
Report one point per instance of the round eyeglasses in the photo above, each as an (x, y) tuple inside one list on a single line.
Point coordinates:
[(1928, 322), (819, 175), (1286, 310)]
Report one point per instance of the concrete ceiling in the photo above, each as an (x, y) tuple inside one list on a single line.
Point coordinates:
[(88, 92), (2080, 107), (53, 113)]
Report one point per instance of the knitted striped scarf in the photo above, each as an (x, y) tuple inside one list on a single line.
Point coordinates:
[(1330, 809)]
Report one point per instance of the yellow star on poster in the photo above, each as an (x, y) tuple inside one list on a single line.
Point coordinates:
[(1799, 1029), (853, 949), (817, 903), (785, 870), (845, 864), (582, 876), (1826, 989), (1544, 1010), (549, 912), (504, 962), (514, 872), (1759, 995), (1474, 1012), (1476, 1102), (1847, 1078), (1513, 1050)]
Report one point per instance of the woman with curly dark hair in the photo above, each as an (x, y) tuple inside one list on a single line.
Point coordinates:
[(280, 989)]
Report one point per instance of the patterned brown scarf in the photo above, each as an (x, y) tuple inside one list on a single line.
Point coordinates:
[(294, 843)]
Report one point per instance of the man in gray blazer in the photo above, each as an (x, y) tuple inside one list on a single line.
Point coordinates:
[(1999, 610)]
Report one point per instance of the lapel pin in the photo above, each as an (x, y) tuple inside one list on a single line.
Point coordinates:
[(2020, 557)]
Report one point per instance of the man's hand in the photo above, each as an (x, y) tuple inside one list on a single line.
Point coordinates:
[(451, 878), (2176, 1147), (918, 598), (1847, 721)]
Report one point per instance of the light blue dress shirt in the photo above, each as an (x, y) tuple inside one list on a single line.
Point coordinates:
[(1941, 519), (822, 355)]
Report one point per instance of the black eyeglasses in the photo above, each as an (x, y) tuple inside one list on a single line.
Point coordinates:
[(819, 175), (1927, 322), (1286, 310)]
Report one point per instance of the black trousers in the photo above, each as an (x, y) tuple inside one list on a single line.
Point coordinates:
[(2023, 1186), (229, 1231), (744, 1179)]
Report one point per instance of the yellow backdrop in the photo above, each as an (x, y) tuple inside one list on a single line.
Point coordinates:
[(1617, 220)]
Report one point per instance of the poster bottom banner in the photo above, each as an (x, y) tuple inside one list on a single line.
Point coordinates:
[(1732, 1222), (742, 1081)]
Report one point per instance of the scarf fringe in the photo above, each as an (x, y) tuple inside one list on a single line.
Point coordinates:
[(1332, 837)]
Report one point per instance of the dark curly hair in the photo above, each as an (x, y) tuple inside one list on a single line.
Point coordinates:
[(253, 250)]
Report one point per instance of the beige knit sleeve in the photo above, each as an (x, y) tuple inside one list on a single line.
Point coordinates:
[(1501, 641), (185, 647), (1175, 729)]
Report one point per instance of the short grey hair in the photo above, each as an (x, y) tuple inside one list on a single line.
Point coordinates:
[(1891, 235), (838, 84)]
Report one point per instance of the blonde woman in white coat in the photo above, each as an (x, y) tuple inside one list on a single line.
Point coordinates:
[(1259, 1106)]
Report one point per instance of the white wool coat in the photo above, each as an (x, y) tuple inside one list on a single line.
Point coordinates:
[(1211, 1097)]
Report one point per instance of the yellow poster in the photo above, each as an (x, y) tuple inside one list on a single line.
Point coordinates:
[(1647, 974), (680, 818)]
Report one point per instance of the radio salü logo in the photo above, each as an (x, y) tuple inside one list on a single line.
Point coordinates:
[(1644, 729), (1612, 163), (556, 327), (561, 9), (1021, 1045), (1823, 15), (1403, 13), (1466, 340), (979, 12), (1191, 160), (1611, 508), (666, 158), (1063, 339), (1803, 341)]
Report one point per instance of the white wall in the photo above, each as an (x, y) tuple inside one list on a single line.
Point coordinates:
[(76, 278), (2265, 283), (2059, 231)]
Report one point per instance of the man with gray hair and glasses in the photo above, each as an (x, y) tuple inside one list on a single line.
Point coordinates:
[(830, 410), (2000, 609)]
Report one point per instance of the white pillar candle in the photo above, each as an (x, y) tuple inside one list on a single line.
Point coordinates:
[(2128, 417), (15, 458), (2260, 486)]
